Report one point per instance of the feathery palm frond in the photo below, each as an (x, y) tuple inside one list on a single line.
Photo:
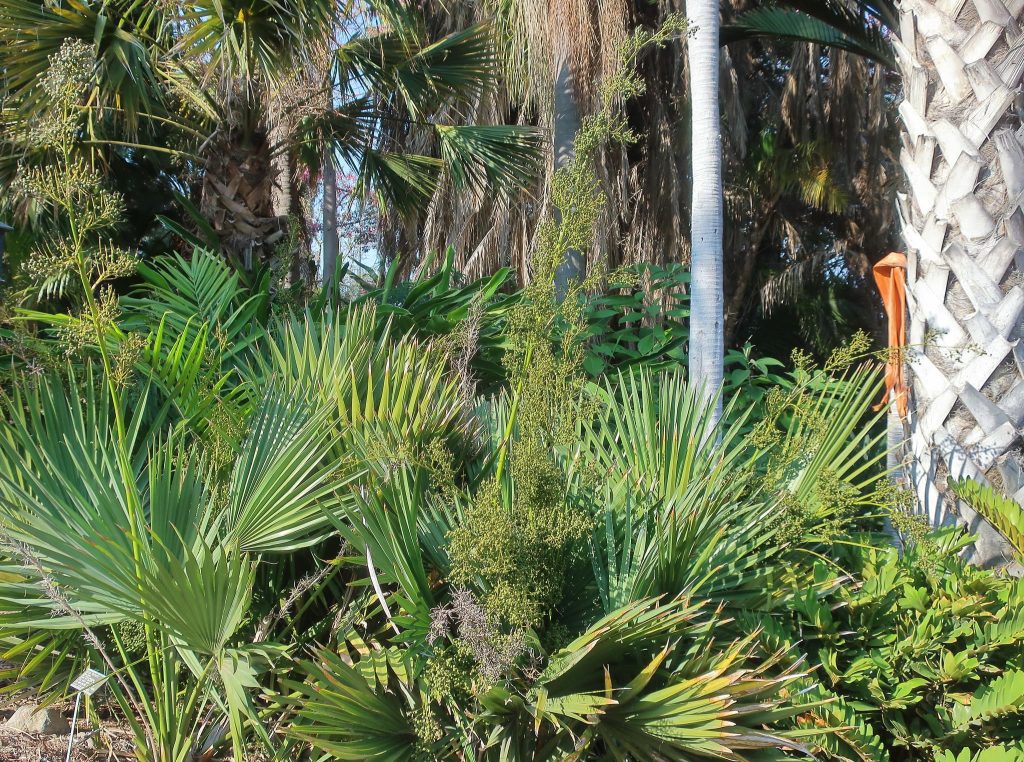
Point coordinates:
[(181, 370), (185, 297), (857, 26)]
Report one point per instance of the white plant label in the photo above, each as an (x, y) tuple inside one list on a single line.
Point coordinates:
[(89, 682)]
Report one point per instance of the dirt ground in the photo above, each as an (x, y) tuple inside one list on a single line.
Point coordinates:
[(110, 743)]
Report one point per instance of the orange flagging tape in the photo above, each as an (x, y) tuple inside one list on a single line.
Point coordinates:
[(890, 276)]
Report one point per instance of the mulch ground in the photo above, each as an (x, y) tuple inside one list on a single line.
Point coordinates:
[(110, 742)]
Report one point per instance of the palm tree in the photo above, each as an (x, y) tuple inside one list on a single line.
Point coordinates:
[(707, 315), (244, 89), (554, 54), (769, 237), (963, 161)]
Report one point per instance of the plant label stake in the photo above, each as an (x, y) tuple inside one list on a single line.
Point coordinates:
[(88, 683)]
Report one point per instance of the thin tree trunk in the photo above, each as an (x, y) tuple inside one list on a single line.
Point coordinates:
[(285, 205), (565, 126), (740, 292), (281, 160), (331, 244), (707, 300), (963, 156)]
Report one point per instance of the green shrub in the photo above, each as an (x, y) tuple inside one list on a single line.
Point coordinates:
[(919, 650)]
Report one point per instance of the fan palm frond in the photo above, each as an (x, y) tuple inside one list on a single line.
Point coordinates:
[(632, 683), (341, 713), (125, 37), (695, 487), (286, 479)]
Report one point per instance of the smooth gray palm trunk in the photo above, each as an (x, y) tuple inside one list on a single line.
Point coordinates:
[(331, 244), (707, 301)]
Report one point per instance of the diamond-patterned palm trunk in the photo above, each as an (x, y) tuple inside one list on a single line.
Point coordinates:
[(238, 192), (963, 155)]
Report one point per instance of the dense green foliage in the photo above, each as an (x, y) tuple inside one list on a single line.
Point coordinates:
[(919, 651), (421, 518), (555, 568)]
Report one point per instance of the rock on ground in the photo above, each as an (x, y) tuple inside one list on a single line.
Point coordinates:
[(31, 719)]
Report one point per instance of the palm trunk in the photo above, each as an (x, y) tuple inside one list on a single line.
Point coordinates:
[(236, 197), (707, 301), (331, 244), (962, 218), (565, 126), (284, 198)]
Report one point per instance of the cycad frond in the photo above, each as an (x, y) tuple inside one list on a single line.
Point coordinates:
[(1005, 514), (184, 297)]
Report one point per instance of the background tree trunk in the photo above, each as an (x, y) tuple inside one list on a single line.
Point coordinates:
[(964, 165), (331, 244), (566, 123), (707, 302)]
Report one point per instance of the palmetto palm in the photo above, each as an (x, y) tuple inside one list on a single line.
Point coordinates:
[(244, 89), (92, 545), (355, 431), (642, 678), (168, 537)]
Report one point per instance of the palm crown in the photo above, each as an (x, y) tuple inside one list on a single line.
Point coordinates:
[(248, 90)]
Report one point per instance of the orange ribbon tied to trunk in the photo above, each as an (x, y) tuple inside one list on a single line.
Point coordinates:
[(891, 277)]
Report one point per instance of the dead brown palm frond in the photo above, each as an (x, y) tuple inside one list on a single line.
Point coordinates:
[(787, 286)]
